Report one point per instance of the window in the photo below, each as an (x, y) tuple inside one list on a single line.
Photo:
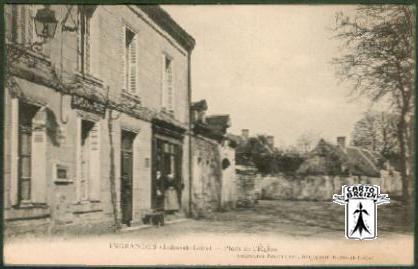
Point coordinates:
[(27, 113), (130, 59), (89, 162), (168, 87), (10, 12), (19, 23), (84, 41)]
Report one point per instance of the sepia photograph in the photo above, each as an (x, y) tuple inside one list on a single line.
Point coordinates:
[(209, 135)]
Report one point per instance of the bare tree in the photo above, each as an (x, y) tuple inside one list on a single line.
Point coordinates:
[(307, 141), (378, 58), (377, 131)]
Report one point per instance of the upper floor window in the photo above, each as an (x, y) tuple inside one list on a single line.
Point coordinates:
[(168, 84), (20, 23), (84, 40), (130, 61)]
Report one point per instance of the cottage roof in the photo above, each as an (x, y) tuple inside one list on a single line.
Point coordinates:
[(329, 159)]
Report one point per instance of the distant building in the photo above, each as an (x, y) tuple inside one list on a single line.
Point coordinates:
[(248, 145), (339, 159)]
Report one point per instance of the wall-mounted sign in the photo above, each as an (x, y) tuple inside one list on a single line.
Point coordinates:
[(61, 173), (85, 104)]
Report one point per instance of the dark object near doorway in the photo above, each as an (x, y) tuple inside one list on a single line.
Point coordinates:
[(156, 219)]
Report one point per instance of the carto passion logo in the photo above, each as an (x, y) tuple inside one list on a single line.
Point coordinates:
[(361, 202)]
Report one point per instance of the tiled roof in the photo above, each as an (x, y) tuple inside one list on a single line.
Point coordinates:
[(328, 159)]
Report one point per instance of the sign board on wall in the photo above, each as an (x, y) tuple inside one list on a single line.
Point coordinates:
[(88, 105)]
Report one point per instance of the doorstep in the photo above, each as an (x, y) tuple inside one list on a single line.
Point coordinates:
[(146, 226)]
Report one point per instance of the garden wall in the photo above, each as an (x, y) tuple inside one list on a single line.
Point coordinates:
[(321, 188)]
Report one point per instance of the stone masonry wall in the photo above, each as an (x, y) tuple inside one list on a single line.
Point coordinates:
[(207, 177), (320, 188)]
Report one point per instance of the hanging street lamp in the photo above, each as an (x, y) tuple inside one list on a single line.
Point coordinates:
[(45, 23)]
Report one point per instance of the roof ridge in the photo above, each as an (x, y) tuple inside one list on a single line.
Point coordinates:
[(367, 159)]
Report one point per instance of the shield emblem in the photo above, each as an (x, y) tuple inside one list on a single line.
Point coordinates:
[(361, 202), (361, 219)]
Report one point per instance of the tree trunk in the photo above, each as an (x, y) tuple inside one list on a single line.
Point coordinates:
[(112, 176), (410, 158), (403, 158)]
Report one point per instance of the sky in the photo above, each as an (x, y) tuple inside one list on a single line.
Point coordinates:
[(268, 66)]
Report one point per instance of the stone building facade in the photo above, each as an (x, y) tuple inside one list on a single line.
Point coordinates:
[(213, 165), (96, 118)]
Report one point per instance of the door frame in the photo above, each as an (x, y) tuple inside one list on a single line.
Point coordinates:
[(127, 209)]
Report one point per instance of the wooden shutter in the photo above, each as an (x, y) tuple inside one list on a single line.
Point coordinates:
[(170, 87), (94, 164), (123, 57), (14, 169), (20, 24), (86, 43), (8, 15), (163, 83), (39, 183), (179, 170), (30, 29), (132, 65)]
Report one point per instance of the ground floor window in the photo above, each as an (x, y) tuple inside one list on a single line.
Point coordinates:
[(89, 161), (167, 182), (27, 113)]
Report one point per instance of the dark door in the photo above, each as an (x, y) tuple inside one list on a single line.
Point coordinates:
[(167, 175), (126, 176)]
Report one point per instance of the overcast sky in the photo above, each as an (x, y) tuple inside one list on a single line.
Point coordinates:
[(269, 68)]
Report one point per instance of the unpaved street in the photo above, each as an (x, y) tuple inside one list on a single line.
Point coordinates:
[(273, 232)]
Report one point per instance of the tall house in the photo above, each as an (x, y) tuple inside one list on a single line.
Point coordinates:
[(96, 115)]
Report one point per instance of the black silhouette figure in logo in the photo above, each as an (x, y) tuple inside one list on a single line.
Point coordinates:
[(360, 226)]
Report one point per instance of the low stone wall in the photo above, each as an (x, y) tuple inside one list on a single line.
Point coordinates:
[(321, 188), (248, 187)]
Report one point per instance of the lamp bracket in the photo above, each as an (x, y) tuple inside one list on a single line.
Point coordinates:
[(69, 16)]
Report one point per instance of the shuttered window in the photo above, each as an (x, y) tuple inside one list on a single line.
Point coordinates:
[(10, 14), (89, 176), (20, 27), (84, 41), (130, 58), (26, 114), (168, 84)]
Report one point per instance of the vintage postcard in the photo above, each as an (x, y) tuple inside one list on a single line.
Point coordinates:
[(155, 135)]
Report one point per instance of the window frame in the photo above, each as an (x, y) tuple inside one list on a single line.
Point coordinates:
[(165, 98), (127, 61), (92, 189), (28, 130), (84, 42)]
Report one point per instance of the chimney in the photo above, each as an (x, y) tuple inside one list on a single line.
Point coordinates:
[(270, 141), (245, 134), (341, 141)]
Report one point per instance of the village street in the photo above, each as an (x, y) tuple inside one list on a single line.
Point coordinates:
[(294, 218), (276, 226)]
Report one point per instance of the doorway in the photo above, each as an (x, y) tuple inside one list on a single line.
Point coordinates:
[(126, 188), (167, 183)]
